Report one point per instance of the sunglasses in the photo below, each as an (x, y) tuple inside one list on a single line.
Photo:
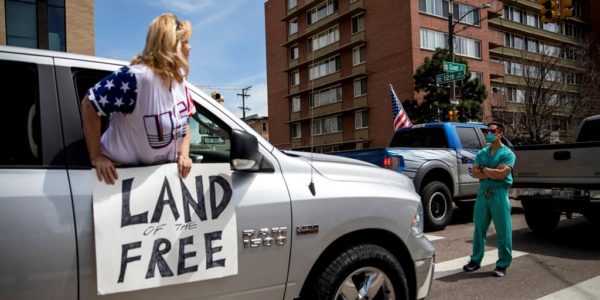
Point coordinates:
[(494, 131)]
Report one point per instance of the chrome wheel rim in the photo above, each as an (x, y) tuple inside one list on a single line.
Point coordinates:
[(368, 283), (438, 206)]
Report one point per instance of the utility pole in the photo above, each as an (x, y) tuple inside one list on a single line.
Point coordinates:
[(451, 47), (243, 107)]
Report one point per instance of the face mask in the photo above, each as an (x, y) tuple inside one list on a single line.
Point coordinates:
[(490, 137)]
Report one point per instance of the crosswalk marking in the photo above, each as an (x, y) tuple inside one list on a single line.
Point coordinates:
[(454, 266), (432, 238), (589, 289)]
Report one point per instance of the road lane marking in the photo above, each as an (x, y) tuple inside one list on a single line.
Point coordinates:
[(589, 289), (432, 238), (454, 266)]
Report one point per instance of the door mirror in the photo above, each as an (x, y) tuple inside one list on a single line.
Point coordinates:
[(244, 152)]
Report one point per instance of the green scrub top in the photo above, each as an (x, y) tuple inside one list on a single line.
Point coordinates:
[(502, 156)]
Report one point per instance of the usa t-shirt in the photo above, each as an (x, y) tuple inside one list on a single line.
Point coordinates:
[(147, 121)]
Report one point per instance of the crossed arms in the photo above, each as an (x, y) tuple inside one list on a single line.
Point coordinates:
[(498, 173)]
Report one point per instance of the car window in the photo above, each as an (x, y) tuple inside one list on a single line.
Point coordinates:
[(209, 142), (21, 120), (590, 131), (468, 137), (420, 138), (84, 80)]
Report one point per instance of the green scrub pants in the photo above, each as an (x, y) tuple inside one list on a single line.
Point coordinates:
[(492, 205)]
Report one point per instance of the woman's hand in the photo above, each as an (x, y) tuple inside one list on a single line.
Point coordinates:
[(105, 169), (184, 165)]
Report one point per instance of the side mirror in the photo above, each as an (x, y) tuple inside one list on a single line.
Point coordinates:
[(244, 154)]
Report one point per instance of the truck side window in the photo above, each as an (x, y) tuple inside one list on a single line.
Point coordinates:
[(21, 120), (432, 137), (590, 130), (209, 142), (84, 80), (468, 137)]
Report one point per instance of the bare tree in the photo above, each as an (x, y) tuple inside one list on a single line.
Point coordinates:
[(551, 90)]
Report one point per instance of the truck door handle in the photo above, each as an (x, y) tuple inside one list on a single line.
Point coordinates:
[(562, 155), (464, 160)]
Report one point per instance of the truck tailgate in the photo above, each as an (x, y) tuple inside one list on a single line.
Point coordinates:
[(561, 165)]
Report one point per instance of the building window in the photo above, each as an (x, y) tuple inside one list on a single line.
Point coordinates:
[(327, 125), (26, 26), (296, 130), (570, 54), (294, 53), (574, 78), (468, 14), (322, 11), (361, 119), (515, 95), (352, 1), (514, 41), (323, 39), (326, 96), (324, 68), (513, 68), (360, 87), (434, 7), (467, 47), (358, 23), (576, 9), (433, 39), (293, 26), (295, 78), (296, 104), (292, 4), (478, 76), (358, 55)]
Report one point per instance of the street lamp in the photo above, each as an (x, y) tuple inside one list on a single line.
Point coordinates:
[(451, 24)]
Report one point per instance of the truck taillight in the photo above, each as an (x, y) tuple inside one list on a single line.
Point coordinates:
[(387, 162), (395, 163)]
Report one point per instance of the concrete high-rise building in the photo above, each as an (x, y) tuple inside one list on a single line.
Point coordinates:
[(330, 62), (61, 25)]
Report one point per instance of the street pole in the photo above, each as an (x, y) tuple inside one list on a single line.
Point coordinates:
[(244, 108), (451, 47)]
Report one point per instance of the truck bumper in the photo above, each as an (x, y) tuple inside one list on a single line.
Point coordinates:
[(569, 199), (424, 274)]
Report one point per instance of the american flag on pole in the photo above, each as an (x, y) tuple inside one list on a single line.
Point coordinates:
[(401, 119)]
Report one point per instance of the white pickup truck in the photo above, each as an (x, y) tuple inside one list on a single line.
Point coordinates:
[(552, 179), (344, 229)]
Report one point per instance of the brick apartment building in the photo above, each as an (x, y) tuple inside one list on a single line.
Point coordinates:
[(61, 25), (329, 62)]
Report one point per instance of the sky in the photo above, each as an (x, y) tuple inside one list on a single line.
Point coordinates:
[(228, 42)]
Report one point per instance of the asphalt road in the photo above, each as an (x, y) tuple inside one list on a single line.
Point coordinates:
[(563, 265)]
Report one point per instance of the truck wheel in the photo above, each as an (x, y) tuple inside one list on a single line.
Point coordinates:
[(540, 217), (364, 271), (437, 205)]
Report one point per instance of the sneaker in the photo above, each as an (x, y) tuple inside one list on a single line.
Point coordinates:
[(471, 266), (499, 272)]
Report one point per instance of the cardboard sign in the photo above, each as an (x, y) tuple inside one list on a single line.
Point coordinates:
[(153, 228)]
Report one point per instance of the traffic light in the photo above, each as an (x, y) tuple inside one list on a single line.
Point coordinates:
[(217, 97), (453, 115), (566, 9), (549, 10)]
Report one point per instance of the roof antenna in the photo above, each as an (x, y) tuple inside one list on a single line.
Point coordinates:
[(311, 185)]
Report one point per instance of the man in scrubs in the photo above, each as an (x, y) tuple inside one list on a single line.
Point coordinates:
[(493, 165)]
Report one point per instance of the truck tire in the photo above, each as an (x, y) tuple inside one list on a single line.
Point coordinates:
[(437, 205), (540, 216), (365, 268)]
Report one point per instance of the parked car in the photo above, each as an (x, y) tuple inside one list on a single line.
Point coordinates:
[(439, 158), (556, 178), (349, 223)]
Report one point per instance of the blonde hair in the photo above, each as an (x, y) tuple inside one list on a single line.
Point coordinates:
[(163, 52)]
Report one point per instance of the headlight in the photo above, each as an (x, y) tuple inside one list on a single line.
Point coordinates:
[(417, 222)]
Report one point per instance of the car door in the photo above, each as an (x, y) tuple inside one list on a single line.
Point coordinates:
[(469, 145), (37, 240), (263, 205)]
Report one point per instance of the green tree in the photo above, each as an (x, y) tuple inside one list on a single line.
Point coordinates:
[(436, 102)]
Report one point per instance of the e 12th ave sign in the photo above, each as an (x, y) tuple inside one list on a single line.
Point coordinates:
[(449, 77), (454, 67)]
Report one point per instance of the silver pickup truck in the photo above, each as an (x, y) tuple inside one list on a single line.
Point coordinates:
[(552, 179), (349, 230)]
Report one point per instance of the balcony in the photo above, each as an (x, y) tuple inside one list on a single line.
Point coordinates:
[(498, 100), (324, 52), (521, 55), (506, 25), (513, 80)]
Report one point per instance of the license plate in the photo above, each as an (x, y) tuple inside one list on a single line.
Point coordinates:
[(563, 194)]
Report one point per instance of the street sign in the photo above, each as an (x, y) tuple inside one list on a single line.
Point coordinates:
[(454, 67), (449, 77), (454, 102)]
